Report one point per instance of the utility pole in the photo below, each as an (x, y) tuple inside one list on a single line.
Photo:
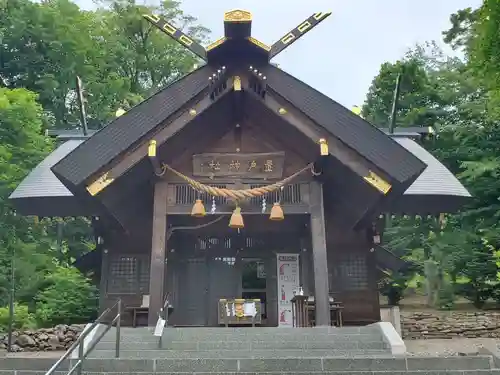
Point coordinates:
[(392, 126), (81, 105), (397, 89)]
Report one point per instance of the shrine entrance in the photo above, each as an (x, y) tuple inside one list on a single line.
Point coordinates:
[(207, 266)]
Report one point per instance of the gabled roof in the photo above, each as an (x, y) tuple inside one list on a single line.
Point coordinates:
[(124, 131), (368, 140), (436, 190)]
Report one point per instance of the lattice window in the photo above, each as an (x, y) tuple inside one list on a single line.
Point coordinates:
[(351, 273), (128, 275), (143, 276), (213, 242), (185, 194), (289, 195), (228, 260), (253, 242)]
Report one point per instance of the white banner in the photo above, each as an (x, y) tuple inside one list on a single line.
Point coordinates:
[(288, 282)]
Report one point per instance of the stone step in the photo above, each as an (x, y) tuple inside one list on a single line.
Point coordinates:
[(238, 354), (250, 334), (438, 372), (242, 345), (168, 337), (257, 331), (341, 365)]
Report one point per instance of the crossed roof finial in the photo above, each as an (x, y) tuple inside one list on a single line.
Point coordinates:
[(237, 26)]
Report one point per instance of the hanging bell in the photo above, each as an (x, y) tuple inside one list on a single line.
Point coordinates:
[(277, 213), (198, 209), (236, 221)]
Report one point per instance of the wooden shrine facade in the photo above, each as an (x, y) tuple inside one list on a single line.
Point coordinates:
[(231, 139)]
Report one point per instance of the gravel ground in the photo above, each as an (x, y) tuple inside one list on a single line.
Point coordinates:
[(458, 346)]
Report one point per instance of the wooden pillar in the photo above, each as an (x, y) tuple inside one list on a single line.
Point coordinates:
[(158, 251), (320, 264)]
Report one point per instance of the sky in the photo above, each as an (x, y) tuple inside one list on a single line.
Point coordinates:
[(343, 54)]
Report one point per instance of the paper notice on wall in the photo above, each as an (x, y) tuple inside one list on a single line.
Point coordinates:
[(288, 282)]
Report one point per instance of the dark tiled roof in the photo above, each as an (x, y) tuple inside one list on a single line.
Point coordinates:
[(366, 139), (124, 131)]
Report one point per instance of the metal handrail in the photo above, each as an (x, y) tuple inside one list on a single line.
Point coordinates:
[(80, 341)]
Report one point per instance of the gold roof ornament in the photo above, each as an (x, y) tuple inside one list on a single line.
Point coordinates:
[(120, 112), (238, 15)]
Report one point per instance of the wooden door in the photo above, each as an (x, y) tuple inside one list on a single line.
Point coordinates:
[(192, 293), (224, 277)]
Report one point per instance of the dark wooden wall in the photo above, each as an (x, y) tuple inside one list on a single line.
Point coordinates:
[(353, 274), (125, 268)]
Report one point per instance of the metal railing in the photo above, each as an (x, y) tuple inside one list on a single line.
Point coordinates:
[(82, 354)]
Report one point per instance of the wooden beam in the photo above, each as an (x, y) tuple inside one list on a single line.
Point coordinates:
[(161, 136), (319, 255), (340, 151), (297, 32), (158, 252), (177, 35), (295, 209)]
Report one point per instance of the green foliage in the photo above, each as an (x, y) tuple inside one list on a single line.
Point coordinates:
[(121, 59), (119, 55), (393, 286), (67, 297), (22, 146), (460, 100), (23, 319)]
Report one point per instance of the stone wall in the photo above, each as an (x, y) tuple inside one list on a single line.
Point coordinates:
[(444, 325), (58, 338)]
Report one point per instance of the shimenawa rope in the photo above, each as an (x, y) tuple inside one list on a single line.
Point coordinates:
[(237, 194)]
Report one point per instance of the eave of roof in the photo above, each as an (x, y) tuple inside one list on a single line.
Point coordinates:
[(42, 194), (41, 182), (436, 179), (126, 130), (435, 191)]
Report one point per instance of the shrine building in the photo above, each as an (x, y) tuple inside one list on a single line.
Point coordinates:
[(237, 182)]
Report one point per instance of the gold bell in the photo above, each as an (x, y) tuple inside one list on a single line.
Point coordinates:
[(276, 213), (236, 221), (198, 209)]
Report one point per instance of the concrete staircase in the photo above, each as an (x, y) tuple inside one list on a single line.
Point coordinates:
[(208, 343), (353, 351)]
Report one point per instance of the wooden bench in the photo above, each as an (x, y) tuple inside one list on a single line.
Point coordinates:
[(139, 310)]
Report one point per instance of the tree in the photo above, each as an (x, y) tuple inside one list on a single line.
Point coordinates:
[(119, 55), (418, 99), (43, 47), (22, 147), (447, 93)]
